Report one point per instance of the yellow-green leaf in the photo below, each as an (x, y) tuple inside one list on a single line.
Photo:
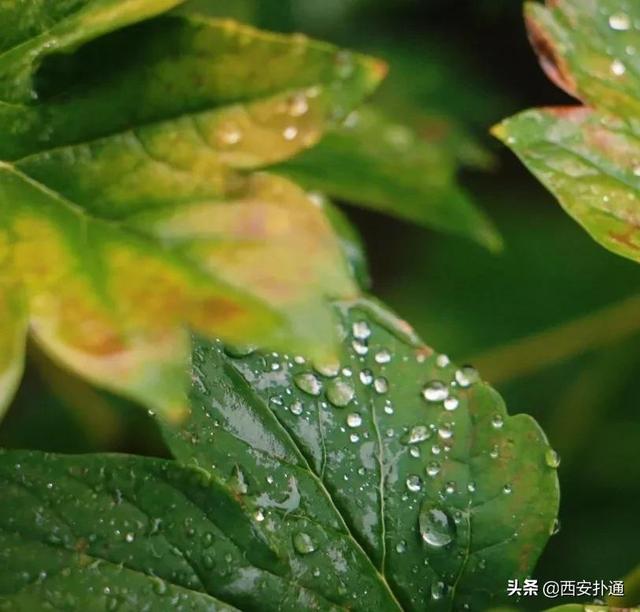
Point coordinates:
[(588, 156), (134, 203)]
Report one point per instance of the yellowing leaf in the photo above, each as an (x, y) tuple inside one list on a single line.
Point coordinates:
[(588, 156), (134, 203)]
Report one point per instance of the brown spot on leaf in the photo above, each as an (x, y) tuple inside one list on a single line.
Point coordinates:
[(550, 59)]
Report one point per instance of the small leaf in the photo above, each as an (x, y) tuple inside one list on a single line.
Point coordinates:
[(131, 202), (588, 156), (373, 162)]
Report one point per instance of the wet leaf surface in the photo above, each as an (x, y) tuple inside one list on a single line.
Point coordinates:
[(133, 200), (392, 479), (588, 156)]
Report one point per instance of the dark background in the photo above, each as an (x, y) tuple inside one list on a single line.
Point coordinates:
[(469, 62)]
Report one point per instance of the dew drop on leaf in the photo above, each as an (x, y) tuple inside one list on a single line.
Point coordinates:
[(433, 468), (414, 483), (296, 408), (619, 22), (435, 391), (361, 330), (451, 403), (308, 383), (437, 529), (354, 420), (417, 434), (383, 356), (303, 543), (442, 361), (340, 392), (381, 385), (497, 421), (552, 458), (467, 376)]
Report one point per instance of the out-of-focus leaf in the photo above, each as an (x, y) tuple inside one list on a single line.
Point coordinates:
[(379, 164), (631, 595), (128, 205), (448, 496), (588, 156)]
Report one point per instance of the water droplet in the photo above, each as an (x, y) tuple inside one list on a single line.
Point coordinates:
[(507, 489), (442, 361), (450, 488), (435, 391), (619, 22), (340, 392), (414, 451), (438, 590), (497, 421), (414, 483), (417, 434), (445, 431), (238, 482), (471, 487), (433, 468), (401, 546), (494, 452), (361, 330), (552, 458), (229, 135), (354, 438), (366, 377), (290, 132), (239, 351), (451, 403), (555, 527), (308, 383), (354, 420), (360, 347), (381, 385), (330, 370), (259, 515), (467, 376), (298, 105), (303, 543), (383, 356), (130, 537), (618, 68), (388, 407), (436, 527), (296, 408)]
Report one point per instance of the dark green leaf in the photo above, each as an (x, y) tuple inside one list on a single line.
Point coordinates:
[(379, 164)]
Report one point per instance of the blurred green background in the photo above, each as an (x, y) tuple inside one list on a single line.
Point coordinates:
[(553, 321)]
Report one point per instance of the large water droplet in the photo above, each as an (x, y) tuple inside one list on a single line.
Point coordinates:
[(552, 458), (435, 391), (383, 356), (435, 525), (381, 385), (340, 392), (433, 468), (303, 543), (442, 361), (414, 483), (451, 403), (467, 376), (329, 369), (354, 420), (618, 68), (361, 330), (417, 434), (366, 377), (620, 22), (308, 383), (497, 421), (296, 408)]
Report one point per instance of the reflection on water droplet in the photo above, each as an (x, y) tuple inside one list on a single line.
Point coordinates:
[(435, 391), (433, 468), (618, 68), (450, 488), (354, 420), (620, 22), (414, 483), (340, 392), (451, 403), (383, 356), (366, 377), (471, 487), (445, 431), (435, 525), (296, 408), (259, 515), (354, 438), (417, 434), (308, 383), (302, 543), (437, 590), (381, 385), (507, 489), (401, 546), (442, 361), (414, 451), (467, 376), (494, 452), (290, 132), (552, 458), (388, 407), (497, 421), (361, 330), (360, 347)]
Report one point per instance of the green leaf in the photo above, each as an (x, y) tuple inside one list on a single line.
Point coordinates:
[(306, 491), (448, 500), (588, 156), (133, 200), (385, 166)]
